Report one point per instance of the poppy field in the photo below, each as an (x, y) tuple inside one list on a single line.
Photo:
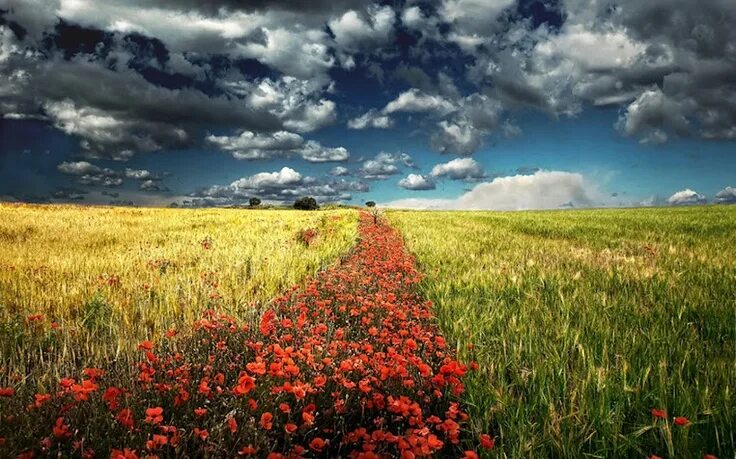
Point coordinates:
[(598, 333)]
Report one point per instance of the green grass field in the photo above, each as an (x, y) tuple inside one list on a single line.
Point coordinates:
[(583, 321)]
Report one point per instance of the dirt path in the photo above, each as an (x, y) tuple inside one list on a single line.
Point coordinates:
[(351, 365)]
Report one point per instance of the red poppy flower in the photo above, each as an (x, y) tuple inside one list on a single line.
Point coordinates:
[(123, 454), (681, 421), (318, 444), (247, 451), (232, 424), (7, 391), (266, 419), (125, 417), (154, 415), (659, 413), (202, 434), (487, 442)]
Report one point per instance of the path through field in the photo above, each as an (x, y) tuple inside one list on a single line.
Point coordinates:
[(350, 365)]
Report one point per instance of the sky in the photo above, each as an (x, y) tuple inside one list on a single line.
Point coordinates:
[(446, 104)]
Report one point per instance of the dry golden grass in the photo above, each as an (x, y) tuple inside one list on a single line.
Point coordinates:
[(110, 277)]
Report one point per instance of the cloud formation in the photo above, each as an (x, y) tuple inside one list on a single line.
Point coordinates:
[(726, 196), (542, 190), (284, 185), (417, 182), (459, 169), (252, 145), (686, 197)]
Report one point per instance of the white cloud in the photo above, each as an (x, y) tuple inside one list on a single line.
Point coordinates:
[(89, 174), (370, 119), (459, 136), (278, 186), (380, 167), (339, 171), (286, 176), (415, 100), (355, 32), (595, 51), (459, 169), (467, 120), (253, 145), (542, 190), (78, 168), (686, 197), (295, 102), (316, 153), (472, 22), (138, 174), (416, 182), (726, 196), (152, 185)]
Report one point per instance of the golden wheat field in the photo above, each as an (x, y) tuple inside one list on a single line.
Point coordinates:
[(111, 277)]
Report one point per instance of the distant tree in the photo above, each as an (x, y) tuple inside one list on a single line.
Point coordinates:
[(306, 203), (254, 202), (375, 213)]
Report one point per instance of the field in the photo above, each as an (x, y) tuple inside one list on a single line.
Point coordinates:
[(584, 321), (170, 332), (112, 277)]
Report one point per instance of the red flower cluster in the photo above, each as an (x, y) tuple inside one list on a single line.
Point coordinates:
[(351, 365)]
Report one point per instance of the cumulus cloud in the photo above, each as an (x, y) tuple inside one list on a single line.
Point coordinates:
[(253, 145), (152, 185), (279, 186), (652, 115), (459, 169), (384, 165), (370, 119), (355, 31), (686, 197), (90, 174), (339, 171), (726, 196), (415, 100), (416, 182), (542, 190)]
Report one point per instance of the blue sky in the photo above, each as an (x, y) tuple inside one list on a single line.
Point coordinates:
[(488, 104)]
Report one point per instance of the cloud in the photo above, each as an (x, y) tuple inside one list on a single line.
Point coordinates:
[(252, 145), (138, 174), (651, 115), (384, 165), (152, 185), (726, 196), (371, 119), (279, 186), (459, 169), (415, 100), (416, 182), (89, 174), (542, 190), (355, 32), (338, 171), (686, 197)]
